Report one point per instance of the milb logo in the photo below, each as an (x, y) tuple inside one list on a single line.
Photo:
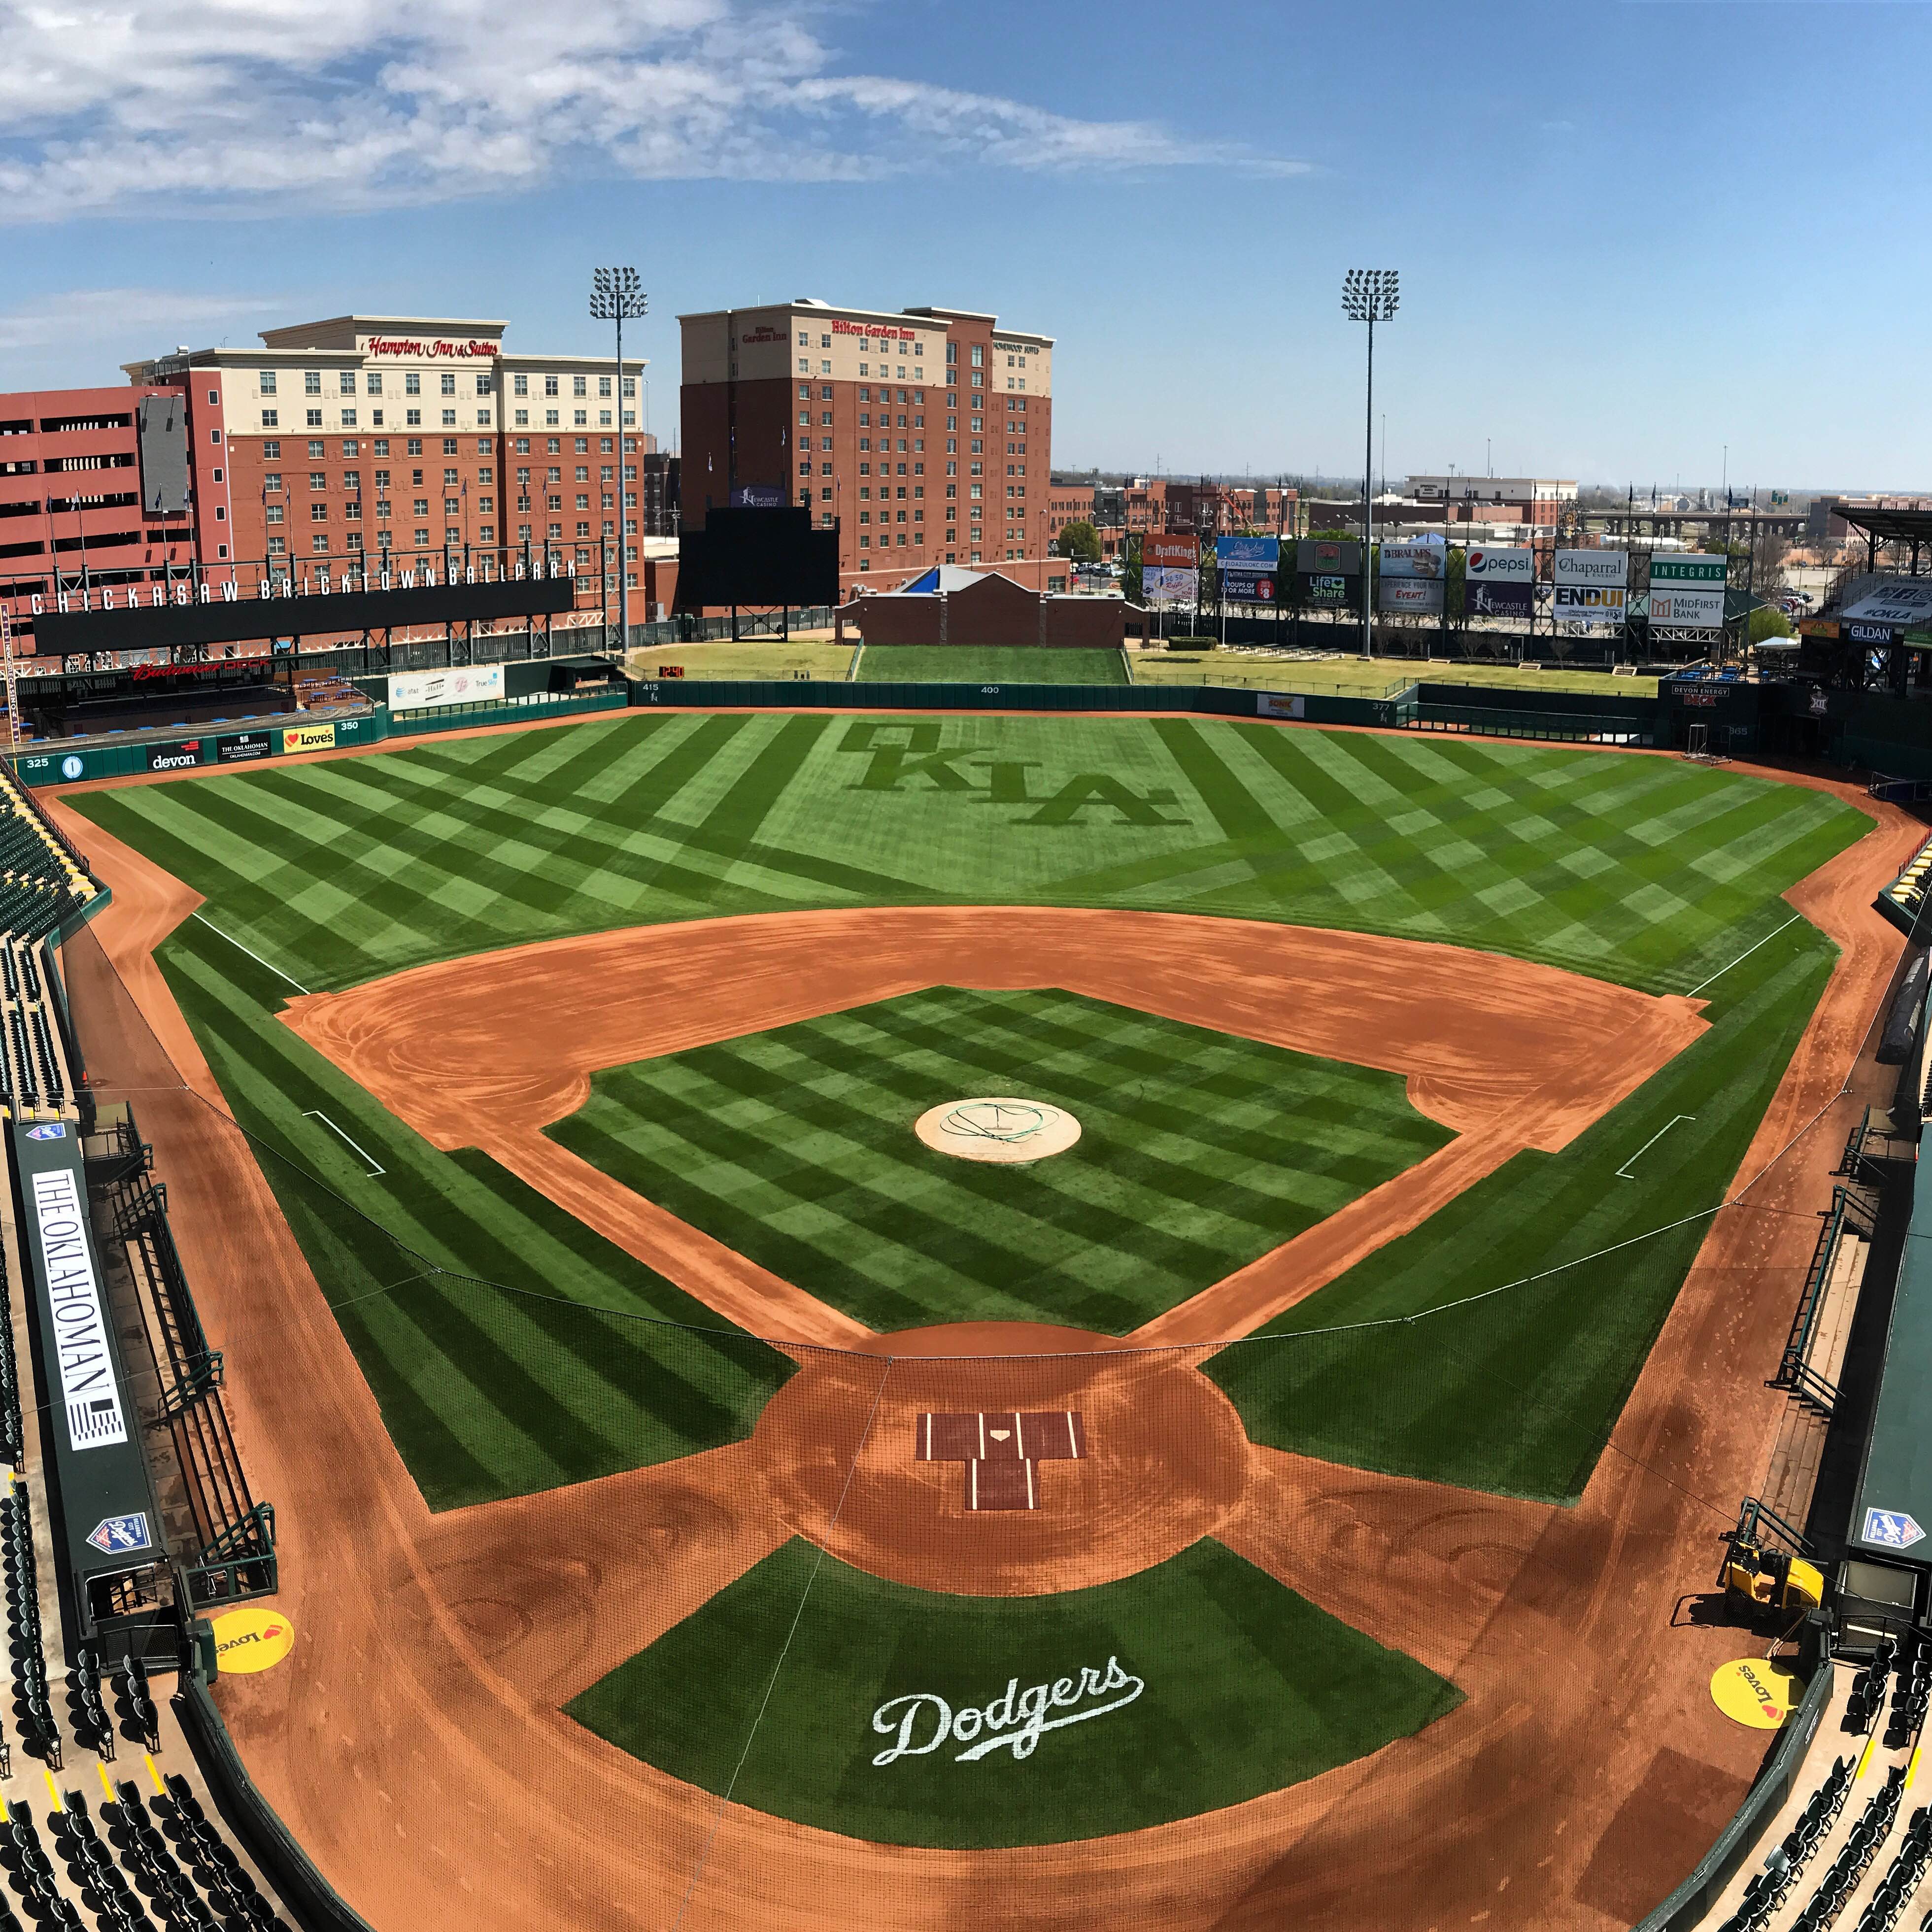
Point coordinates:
[(913, 757)]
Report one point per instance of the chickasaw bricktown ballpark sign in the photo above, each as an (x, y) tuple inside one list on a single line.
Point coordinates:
[(1015, 1720)]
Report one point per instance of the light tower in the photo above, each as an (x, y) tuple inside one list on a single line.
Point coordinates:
[(617, 294), (1369, 295)]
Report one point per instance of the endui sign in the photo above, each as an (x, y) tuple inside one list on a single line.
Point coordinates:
[(85, 1366), (1015, 1720), (1585, 604)]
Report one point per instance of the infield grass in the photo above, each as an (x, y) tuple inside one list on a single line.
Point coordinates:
[(978, 664), (769, 1691), (1197, 1154)]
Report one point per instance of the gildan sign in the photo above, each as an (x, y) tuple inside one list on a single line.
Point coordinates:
[(1600, 568)]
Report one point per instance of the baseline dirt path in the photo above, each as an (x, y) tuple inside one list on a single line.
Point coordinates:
[(412, 1742), (1511, 1055)]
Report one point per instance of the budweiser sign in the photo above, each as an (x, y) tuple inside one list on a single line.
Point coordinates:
[(410, 345), (1015, 1720)]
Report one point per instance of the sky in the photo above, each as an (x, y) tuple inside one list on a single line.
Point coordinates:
[(1640, 242)]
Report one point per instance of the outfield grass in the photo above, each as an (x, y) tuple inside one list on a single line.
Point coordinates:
[(749, 658), (1650, 872), (770, 1689), (1552, 1361), (1197, 1154), (571, 1368), (1366, 677), (974, 664)]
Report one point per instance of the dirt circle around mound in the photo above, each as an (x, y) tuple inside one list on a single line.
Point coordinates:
[(1006, 1128), (1140, 1456)]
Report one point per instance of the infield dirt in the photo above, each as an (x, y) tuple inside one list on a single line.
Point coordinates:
[(413, 1744)]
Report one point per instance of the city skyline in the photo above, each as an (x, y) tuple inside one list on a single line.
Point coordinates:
[(1620, 253)]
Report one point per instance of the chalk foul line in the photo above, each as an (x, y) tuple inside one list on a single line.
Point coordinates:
[(1624, 1172), (252, 954), (314, 1114)]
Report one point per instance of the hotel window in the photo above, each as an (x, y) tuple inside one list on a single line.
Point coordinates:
[(278, 546), (318, 543), (318, 513), (352, 479), (550, 419), (271, 419), (486, 506), (825, 418), (825, 368), (373, 382), (268, 382), (550, 386), (452, 506), (581, 418), (523, 419), (604, 418), (345, 382), (314, 418), (487, 533), (449, 418), (482, 419), (422, 540), (412, 383), (449, 381), (348, 419), (520, 386), (604, 385), (273, 513), (420, 508), (804, 363), (412, 418), (583, 501), (311, 382), (580, 386)]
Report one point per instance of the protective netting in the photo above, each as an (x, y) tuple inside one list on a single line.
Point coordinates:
[(612, 1612)]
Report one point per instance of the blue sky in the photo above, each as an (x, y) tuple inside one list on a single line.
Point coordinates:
[(1630, 231)]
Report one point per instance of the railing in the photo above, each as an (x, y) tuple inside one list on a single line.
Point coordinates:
[(1793, 1373)]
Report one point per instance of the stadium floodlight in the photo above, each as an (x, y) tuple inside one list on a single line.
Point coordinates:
[(1369, 295), (617, 294)]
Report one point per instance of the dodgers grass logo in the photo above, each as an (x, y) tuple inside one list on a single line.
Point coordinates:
[(912, 758), (1016, 1720)]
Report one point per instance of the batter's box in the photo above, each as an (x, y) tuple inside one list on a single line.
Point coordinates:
[(1000, 1451)]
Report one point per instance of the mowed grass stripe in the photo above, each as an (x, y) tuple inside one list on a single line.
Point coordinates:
[(1197, 1154), (506, 1392)]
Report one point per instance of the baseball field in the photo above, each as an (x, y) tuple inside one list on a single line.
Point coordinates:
[(792, 1482)]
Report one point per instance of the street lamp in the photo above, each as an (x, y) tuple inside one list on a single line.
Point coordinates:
[(617, 294), (1369, 295)]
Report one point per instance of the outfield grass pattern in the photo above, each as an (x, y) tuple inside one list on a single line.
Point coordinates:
[(1197, 1154), (1649, 871), (768, 1691), (987, 664)]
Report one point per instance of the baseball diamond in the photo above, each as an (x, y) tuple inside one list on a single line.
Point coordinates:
[(1259, 1493)]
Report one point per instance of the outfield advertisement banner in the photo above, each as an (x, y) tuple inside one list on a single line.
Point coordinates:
[(175, 757), (1687, 607), (242, 748), (1170, 569), (416, 690), (1582, 604), (1328, 557), (309, 738), (1904, 602), (1600, 569), (1424, 560), (1412, 596), (1279, 704), (1506, 566), (1483, 598), (1248, 568)]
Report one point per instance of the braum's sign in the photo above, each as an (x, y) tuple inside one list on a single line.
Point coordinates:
[(94, 1420)]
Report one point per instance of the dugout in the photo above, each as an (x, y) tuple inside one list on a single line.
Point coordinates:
[(116, 1589)]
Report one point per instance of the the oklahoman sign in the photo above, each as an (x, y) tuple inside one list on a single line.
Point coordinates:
[(85, 1366), (1015, 1720)]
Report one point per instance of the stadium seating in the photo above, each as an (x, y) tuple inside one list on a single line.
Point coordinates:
[(1768, 1889), (1841, 1878), (23, 1605)]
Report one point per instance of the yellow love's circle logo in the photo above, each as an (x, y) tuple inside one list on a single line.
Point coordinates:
[(1752, 1692), (246, 1641)]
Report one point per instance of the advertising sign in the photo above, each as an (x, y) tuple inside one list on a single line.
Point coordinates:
[(1412, 596), (1673, 570), (174, 758), (414, 690), (1170, 569), (88, 1390), (1906, 601), (1601, 568), (1483, 598), (1859, 633), (1500, 566), (1328, 557), (1413, 560), (758, 496), (1328, 590), (1693, 608), (309, 738), (1248, 566), (243, 746), (1279, 704), (1583, 604)]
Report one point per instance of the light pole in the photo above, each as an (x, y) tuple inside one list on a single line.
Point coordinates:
[(1369, 295), (617, 294)]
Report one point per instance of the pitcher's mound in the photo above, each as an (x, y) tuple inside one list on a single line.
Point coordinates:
[(998, 1127)]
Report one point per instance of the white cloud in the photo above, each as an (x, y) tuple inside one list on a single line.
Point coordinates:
[(230, 105), (102, 315)]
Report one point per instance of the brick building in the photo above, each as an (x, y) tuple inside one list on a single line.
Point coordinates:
[(925, 434), (369, 436)]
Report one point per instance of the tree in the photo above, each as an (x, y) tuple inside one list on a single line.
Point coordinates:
[(1080, 541), (1768, 621), (1130, 571)]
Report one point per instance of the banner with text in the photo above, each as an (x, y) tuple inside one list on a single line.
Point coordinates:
[(1411, 596), (1249, 567), (1328, 557), (1602, 569), (1586, 604), (1170, 569), (1687, 593), (417, 690), (1413, 560)]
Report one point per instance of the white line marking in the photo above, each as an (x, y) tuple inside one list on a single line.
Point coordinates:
[(1072, 1441), (1019, 1441), (982, 1435), (1028, 1467), (252, 954), (1623, 1173), (928, 1435), (1744, 955), (311, 1114), (975, 1503)]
